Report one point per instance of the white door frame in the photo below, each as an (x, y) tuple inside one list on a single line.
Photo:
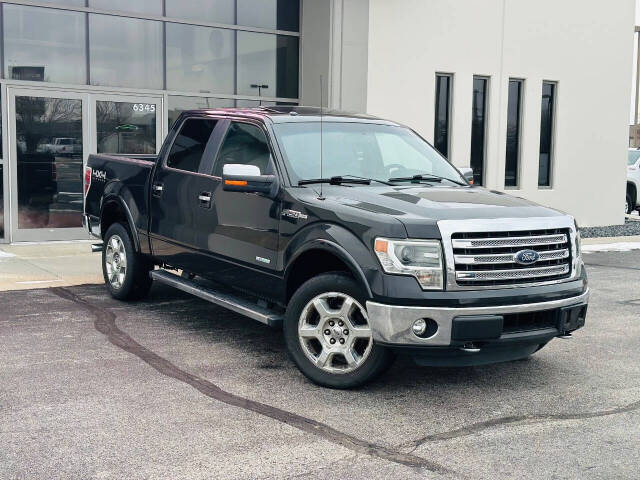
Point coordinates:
[(89, 139)]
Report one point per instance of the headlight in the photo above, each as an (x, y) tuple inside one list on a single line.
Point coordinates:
[(419, 258)]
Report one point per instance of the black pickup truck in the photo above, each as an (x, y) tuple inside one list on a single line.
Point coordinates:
[(350, 232)]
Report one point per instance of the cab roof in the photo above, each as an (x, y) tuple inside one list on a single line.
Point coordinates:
[(291, 114)]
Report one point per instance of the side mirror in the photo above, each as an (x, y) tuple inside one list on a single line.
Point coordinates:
[(467, 173), (238, 177)]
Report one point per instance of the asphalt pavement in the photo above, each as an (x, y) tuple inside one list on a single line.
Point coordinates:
[(173, 387)]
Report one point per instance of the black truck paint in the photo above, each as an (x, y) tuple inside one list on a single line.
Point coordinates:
[(269, 244)]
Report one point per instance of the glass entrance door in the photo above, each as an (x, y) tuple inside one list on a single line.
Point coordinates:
[(49, 138)]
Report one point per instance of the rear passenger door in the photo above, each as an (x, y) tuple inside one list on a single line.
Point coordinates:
[(182, 195), (246, 231)]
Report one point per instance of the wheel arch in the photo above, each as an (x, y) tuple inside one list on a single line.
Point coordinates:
[(321, 256), (113, 210)]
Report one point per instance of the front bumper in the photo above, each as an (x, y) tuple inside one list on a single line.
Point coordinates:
[(392, 325)]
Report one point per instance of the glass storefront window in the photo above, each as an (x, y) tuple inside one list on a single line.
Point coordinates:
[(267, 65), (126, 128), (148, 7), (178, 104), (200, 59), (37, 48), (274, 14), (49, 162), (219, 11), (66, 3), (125, 52)]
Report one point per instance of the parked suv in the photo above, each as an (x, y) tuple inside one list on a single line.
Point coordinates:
[(350, 232), (633, 181)]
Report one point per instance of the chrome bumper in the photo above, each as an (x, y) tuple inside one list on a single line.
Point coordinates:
[(391, 324)]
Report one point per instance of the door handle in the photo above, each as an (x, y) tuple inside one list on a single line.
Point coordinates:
[(204, 199), (157, 189)]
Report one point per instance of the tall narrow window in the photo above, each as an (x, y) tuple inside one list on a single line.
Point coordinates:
[(514, 108), (546, 133), (443, 113), (479, 128)]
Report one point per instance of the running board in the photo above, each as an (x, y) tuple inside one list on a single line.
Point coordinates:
[(232, 301)]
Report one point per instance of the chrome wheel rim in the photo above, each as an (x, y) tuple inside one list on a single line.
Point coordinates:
[(115, 261), (334, 332)]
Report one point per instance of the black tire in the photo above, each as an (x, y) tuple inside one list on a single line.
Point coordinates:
[(378, 359), (136, 281), (629, 205)]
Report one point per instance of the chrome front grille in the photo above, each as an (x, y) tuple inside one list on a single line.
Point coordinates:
[(489, 258)]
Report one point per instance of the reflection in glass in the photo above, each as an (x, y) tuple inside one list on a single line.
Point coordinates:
[(218, 11), (200, 59), (49, 162), (126, 128), (178, 104), (443, 114), (1, 202), (125, 52), (149, 7), (513, 134), (478, 128), (546, 134), (38, 49), (267, 65), (274, 14), (69, 3)]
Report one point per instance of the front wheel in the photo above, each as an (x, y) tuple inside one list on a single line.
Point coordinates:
[(126, 272), (328, 334)]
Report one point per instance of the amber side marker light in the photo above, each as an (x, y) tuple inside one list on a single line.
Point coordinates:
[(381, 246), (239, 183)]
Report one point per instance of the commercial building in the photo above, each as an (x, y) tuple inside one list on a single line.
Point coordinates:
[(533, 95)]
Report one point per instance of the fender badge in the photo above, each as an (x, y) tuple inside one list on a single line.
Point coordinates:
[(294, 214)]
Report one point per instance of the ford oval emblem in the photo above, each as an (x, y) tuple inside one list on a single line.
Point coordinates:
[(526, 257)]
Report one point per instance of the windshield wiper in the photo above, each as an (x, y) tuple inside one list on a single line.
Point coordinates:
[(425, 177), (336, 181), (370, 179)]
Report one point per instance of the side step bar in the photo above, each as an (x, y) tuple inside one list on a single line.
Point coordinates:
[(232, 301)]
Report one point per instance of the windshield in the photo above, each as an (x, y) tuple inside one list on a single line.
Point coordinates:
[(365, 150), (633, 157)]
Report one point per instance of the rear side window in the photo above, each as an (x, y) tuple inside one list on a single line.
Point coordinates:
[(188, 148), (245, 144)]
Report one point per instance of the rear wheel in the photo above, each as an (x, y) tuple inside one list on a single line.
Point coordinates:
[(125, 272), (628, 205), (328, 334)]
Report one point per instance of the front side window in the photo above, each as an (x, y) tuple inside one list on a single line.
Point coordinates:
[(190, 144), (245, 144), (365, 150)]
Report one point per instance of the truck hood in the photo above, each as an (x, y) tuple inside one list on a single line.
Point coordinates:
[(420, 207)]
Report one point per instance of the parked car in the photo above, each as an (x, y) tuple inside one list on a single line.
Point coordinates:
[(633, 181), (62, 147), (350, 232)]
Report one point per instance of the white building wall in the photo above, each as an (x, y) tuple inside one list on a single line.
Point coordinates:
[(584, 45)]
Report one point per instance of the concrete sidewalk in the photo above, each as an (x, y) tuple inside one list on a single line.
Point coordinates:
[(52, 264)]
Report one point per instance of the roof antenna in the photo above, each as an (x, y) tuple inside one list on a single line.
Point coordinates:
[(321, 197)]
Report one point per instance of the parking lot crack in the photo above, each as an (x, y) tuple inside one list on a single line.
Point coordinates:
[(517, 420), (105, 323)]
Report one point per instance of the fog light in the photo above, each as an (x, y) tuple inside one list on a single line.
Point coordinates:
[(419, 327)]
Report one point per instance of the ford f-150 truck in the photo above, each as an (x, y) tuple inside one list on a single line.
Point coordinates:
[(350, 232)]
